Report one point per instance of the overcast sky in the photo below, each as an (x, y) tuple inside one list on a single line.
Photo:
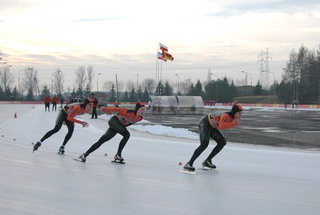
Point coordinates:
[(121, 37)]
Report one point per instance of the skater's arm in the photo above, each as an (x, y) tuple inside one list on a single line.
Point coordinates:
[(75, 111), (226, 122), (111, 110)]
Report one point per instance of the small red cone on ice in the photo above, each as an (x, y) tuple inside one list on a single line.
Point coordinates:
[(106, 154), (180, 163), (15, 115)]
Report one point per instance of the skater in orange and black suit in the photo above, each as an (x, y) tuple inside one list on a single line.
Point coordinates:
[(47, 101), (67, 116), (210, 126), (117, 124), (54, 102)]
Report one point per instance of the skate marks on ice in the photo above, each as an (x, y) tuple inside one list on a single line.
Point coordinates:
[(118, 162), (187, 172)]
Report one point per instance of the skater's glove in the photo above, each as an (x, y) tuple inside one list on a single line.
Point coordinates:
[(85, 124)]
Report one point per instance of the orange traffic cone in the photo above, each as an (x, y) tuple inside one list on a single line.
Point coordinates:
[(15, 115)]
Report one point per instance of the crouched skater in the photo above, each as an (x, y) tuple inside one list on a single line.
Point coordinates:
[(210, 126), (117, 125), (67, 116)]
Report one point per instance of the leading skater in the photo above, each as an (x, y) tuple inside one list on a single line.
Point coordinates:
[(210, 126), (67, 116), (117, 124)]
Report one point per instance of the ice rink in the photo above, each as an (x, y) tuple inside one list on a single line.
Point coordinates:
[(249, 179)]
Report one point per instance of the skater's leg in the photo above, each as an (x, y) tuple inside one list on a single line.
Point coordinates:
[(61, 117), (95, 113), (107, 136), (51, 132), (126, 135), (70, 126), (204, 133), (203, 145), (221, 142)]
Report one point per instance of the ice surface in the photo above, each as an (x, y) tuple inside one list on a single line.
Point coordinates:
[(249, 180)]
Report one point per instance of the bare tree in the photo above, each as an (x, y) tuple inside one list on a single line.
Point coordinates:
[(150, 84), (90, 74), (184, 86), (6, 78), (120, 86), (30, 80), (81, 78), (131, 85), (108, 85), (58, 80)]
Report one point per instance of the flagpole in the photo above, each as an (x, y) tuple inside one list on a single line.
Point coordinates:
[(157, 69), (161, 71)]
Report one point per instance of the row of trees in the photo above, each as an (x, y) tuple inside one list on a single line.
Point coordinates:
[(301, 78), (301, 81)]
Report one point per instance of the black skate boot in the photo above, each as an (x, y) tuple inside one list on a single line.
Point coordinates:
[(36, 146), (61, 150), (118, 159), (208, 164), (189, 168), (82, 158)]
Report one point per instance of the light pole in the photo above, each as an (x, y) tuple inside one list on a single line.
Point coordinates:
[(178, 83), (137, 81), (246, 77), (19, 83), (98, 81), (52, 83), (274, 75)]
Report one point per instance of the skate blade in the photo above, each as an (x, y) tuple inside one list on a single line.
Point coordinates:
[(205, 168), (187, 171), (119, 162), (59, 153), (76, 159)]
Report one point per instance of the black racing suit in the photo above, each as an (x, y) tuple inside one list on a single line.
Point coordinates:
[(114, 127), (205, 132), (62, 117)]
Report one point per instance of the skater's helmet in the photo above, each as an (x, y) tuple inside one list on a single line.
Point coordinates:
[(138, 106), (235, 108), (87, 101)]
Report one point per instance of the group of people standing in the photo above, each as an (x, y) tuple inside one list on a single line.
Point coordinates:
[(210, 126), (47, 100)]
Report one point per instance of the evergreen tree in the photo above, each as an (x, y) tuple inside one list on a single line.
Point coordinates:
[(139, 94), (30, 95), (112, 94), (211, 91), (191, 90), (146, 96), (7, 94), (133, 95), (284, 92), (1, 94), (258, 89), (168, 90), (198, 89), (159, 89), (15, 94), (126, 96), (233, 89), (45, 91)]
